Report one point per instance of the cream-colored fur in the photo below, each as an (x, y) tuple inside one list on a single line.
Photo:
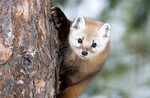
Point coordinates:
[(90, 31)]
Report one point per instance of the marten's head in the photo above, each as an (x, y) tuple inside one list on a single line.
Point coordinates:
[(88, 37)]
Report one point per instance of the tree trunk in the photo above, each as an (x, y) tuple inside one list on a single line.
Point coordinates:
[(28, 49)]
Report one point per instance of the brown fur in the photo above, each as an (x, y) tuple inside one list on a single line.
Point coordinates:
[(87, 69), (73, 91), (76, 73)]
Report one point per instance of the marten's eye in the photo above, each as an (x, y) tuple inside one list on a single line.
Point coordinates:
[(94, 45), (80, 40)]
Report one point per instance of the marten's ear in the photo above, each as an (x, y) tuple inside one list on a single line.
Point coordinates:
[(79, 23), (104, 31)]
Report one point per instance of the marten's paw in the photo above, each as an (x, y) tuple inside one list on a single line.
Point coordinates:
[(62, 80), (61, 23), (58, 17)]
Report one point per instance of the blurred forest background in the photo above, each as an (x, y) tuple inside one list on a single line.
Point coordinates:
[(126, 73)]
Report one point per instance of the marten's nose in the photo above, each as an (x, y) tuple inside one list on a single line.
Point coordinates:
[(84, 53)]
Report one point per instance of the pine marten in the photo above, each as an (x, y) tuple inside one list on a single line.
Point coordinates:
[(84, 44)]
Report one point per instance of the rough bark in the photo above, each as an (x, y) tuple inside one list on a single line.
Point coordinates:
[(28, 49)]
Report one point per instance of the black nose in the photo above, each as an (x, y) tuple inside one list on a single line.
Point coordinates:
[(84, 53)]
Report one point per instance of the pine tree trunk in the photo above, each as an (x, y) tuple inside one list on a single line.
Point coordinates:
[(28, 49)]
